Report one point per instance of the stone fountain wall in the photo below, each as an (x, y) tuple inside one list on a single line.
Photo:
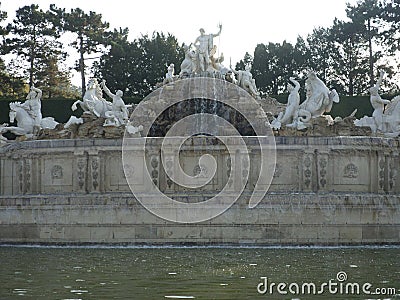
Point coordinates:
[(336, 190)]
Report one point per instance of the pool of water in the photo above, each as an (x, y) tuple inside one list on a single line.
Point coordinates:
[(197, 273)]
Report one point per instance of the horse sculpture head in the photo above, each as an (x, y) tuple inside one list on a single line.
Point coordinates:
[(14, 107)]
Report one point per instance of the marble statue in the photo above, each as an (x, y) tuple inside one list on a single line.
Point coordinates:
[(28, 116), (188, 65), (245, 80), (73, 120), (133, 130), (319, 100), (204, 45), (170, 75), (202, 59), (119, 114), (386, 115), (290, 113), (33, 106), (391, 118), (93, 101), (378, 104), (216, 62)]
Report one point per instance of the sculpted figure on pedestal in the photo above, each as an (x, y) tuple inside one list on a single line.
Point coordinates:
[(188, 65), (33, 106), (292, 107), (378, 103), (93, 101), (204, 45), (28, 116), (319, 99), (245, 80), (119, 113), (170, 75), (386, 116)]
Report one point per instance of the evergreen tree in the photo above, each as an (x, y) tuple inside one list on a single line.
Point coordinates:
[(11, 86), (323, 53), (247, 60), (273, 65), (138, 66), (90, 31), (3, 17), (391, 14), (55, 81), (33, 38), (352, 63), (366, 16)]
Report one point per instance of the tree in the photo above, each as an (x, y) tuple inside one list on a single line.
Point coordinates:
[(391, 14), (247, 60), (11, 85), (364, 15), (302, 57), (55, 81), (322, 53), (352, 63), (273, 65), (138, 66), (158, 51), (33, 38), (3, 16), (90, 32)]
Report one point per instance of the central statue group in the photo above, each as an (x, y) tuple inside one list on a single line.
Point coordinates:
[(202, 61)]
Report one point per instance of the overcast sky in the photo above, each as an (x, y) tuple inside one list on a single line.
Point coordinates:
[(245, 23)]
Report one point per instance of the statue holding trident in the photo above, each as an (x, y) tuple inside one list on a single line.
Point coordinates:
[(204, 45)]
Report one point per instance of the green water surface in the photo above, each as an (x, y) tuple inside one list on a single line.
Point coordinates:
[(189, 273)]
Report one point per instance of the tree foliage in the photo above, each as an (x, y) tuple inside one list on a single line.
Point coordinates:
[(391, 15), (247, 60), (34, 38), (346, 55), (90, 31), (3, 17), (274, 64), (11, 86), (366, 16), (55, 81), (138, 66)]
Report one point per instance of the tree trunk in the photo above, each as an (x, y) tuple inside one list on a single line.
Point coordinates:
[(371, 59), (32, 58), (82, 65), (351, 83)]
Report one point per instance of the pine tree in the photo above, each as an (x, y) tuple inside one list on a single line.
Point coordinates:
[(90, 31), (33, 38)]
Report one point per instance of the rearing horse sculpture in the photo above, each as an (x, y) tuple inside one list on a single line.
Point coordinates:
[(25, 123), (93, 101)]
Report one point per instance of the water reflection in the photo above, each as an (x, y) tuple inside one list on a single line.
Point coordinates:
[(186, 273)]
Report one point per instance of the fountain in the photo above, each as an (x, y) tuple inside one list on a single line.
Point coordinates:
[(201, 164)]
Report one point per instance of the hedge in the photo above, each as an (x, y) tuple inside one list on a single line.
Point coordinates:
[(60, 109)]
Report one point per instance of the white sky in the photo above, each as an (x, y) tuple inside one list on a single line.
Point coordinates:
[(245, 23)]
